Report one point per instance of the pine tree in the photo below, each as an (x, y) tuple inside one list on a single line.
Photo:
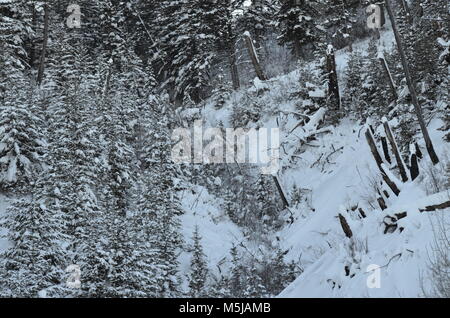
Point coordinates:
[(376, 89), (186, 44), (354, 93), (22, 143), (257, 18), (296, 22), (199, 271), (15, 32), (254, 287), (265, 199), (237, 272), (160, 200), (34, 265), (341, 20)]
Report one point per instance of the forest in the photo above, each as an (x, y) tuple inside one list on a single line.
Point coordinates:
[(92, 204)]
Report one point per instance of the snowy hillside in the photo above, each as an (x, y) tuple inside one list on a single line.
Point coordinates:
[(224, 149), (336, 174)]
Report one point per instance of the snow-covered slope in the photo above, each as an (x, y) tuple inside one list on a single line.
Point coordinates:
[(320, 241), (334, 175), (217, 231)]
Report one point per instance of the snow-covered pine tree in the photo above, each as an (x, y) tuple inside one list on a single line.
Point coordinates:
[(254, 286), (341, 19), (220, 288), (375, 85), (199, 271), (160, 199), (258, 19), (35, 264), (22, 142), (237, 274), (354, 101), (429, 31), (187, 45), (15, 32), (297, 24), (265, 199)]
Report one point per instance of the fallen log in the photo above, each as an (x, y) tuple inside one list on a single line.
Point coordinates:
[(435, 207), (390, 222), (382, 203), (345, 227)]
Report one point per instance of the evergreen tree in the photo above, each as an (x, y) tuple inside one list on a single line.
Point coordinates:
[(186, 44), (296, 22), (258, 19), (34, 265), (265, 199), (341, 19), (354, 100), (199, 271)]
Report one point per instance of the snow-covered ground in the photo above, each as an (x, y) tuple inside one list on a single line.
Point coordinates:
[(334, 175), (319, 241), (218, 232)]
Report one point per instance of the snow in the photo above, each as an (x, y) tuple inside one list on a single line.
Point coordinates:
[(218, 232), (319, 241)]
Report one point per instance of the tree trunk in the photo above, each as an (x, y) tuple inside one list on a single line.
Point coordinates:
[(254, 56), (233, 67), (411, 86), (382, 203), (40, 75), (379, 161), (397, 156), (414, 167), (33, 54), (385, 149), (281, 191), (333, 85), (297, 51), (389, 77), (345, 227)]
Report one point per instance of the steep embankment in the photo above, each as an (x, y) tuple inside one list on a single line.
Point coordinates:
[(345, 181)]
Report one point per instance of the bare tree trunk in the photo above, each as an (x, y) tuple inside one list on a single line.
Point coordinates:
[(414, 167), (379, 161), (281, 191), (411, 86), (254, 56), (382, 203), (297, 51), (333, 85), (397, 156), (33, 40), (233, 67), (389, 77), (44, 46), (385, 149)]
